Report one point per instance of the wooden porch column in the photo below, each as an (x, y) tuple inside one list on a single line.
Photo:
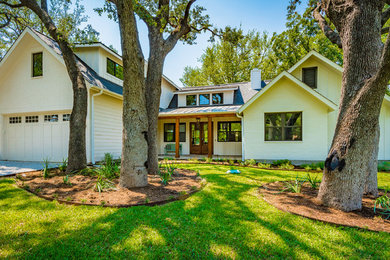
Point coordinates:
[(177, 137), (210, 136)]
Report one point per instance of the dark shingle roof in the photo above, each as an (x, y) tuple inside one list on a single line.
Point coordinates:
[(89, 74)]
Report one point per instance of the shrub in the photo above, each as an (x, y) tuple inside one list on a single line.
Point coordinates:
[(294, 186), (62, 167), (209, 160), (108, 168), (281, 162), (88, 172), (168, 159), (231, 162), (166, 171), (314, 166), (264, 165), (383, 166), (286, 166), (382, 204), (313, 180), (195, 160), (243, 163), (250, 162), (46, 171), (103, 184)]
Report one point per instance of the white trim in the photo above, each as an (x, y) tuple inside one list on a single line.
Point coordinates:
[(332, 106), (99, 45), (92, 117), (320, 57), (200, 91)]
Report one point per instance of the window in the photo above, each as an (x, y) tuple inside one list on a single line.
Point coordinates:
[(204, 99), (217, 98), (51, 118), (66, 117), (114, 69), (15, 120), (283, 126), (191, 100), (37, 64), (170, 132), (32, 119), (309, 76), (229, 131)]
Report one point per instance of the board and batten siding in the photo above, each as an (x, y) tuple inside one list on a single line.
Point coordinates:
[(108, 126)]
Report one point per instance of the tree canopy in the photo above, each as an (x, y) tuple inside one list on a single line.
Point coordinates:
[(235, 53)]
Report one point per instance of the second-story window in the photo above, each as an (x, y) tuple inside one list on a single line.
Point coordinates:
[(191, 100), (37, 64), (309, 76), (204, 99), (217, 98), (114, 69)]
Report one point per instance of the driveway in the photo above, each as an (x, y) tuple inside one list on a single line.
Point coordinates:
[(9, 168)]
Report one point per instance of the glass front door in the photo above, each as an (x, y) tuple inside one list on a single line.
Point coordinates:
[(199, 138)]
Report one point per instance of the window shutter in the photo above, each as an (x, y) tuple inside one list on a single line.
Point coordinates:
[(310, 77)]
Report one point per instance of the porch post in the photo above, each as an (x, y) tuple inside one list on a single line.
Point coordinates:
[(177, 137), (210, 136)]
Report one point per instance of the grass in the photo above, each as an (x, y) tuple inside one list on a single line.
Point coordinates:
[(225, 220)]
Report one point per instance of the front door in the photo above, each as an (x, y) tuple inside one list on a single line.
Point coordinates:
[(199, 138)]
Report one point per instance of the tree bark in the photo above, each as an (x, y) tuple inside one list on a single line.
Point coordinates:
[(354, 144), (371, 184), (153, 94), (135, 119), (77, 155)]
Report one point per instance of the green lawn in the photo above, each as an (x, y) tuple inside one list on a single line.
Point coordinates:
[(225, 220)]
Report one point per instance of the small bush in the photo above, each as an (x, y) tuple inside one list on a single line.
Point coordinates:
[(280, 162), (231, 162), (195, 160), (242, 163), (168, 159), (166, 170), (250, 162), (294, 186), (382, 205), (46, 171), (209, 160), (62, 167), (383, 166), (313, 180), (88, 172), (103, 184), (314, 166), (108, 168), (286, 166), (264, 165)]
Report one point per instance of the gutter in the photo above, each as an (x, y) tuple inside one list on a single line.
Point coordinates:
[(242, 136), (93, 125)]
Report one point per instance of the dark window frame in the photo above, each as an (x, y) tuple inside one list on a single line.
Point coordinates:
[(116, 68), (305, 70), (283, 127), (212, 98), (229, 133), (34, 73), (182, 135), (191, 105)]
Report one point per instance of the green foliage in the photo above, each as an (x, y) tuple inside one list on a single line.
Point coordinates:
[(314, 166), (313, 180), (280, 162), (382, 205), (108, 168), (103, 184), (294, 186), (46, 169), (383, 166), (69, 17), (166, 170), (286, 166), (209, 160), (88, 172), (62, 167), (264, 165), (251, 162), (231, 162), (67, 180)]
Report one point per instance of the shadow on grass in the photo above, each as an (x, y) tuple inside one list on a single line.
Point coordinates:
[(225, 220)]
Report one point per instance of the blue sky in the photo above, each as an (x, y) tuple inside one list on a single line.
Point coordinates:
[(260, 15)]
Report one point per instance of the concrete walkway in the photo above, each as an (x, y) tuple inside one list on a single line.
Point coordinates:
[(9, 168)]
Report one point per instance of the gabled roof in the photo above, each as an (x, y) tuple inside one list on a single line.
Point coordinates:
[(332, 106), (318, 56)]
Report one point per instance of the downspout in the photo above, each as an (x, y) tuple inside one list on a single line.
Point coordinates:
[(242, 137), (93, 125)]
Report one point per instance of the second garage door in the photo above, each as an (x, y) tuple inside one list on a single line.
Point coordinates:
[(37, 137)]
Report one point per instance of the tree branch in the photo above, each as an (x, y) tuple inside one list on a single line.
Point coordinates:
[(333, 36), (12, 5), (385, 16)]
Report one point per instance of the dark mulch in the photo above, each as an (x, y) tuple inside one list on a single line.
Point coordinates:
[(305, 204), (82, 190)]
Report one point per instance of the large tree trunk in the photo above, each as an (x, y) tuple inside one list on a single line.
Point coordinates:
[(153, 94), (371, 185), (77, 155), (135, 119), (354, 143)]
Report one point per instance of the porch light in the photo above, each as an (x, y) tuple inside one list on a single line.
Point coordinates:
[(198, 123)]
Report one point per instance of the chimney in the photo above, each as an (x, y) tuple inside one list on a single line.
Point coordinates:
[(256, 79)]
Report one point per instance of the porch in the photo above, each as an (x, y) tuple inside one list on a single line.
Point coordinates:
[(199, 136)]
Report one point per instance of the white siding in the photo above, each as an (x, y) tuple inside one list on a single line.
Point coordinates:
[(108, 126)]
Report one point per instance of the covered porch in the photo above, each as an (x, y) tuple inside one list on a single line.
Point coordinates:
[(200, 135)]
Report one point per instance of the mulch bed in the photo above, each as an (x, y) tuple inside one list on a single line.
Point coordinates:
[(82, 192), (305, 204)]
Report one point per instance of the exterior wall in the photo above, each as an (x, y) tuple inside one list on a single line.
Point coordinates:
[(108, 126), (220, 148), (286, 97), (228, 97), (384, 140), (2, 137), (166, 93)]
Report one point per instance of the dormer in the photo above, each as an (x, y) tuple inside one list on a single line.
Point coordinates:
[(206, 96)]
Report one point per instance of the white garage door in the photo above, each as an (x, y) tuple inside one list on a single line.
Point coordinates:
[(37, 137)]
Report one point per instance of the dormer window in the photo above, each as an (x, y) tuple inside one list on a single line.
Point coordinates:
[(114, 69), (204, 99), (217, 98), (191, 100), (37, 64), (309, 76)]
